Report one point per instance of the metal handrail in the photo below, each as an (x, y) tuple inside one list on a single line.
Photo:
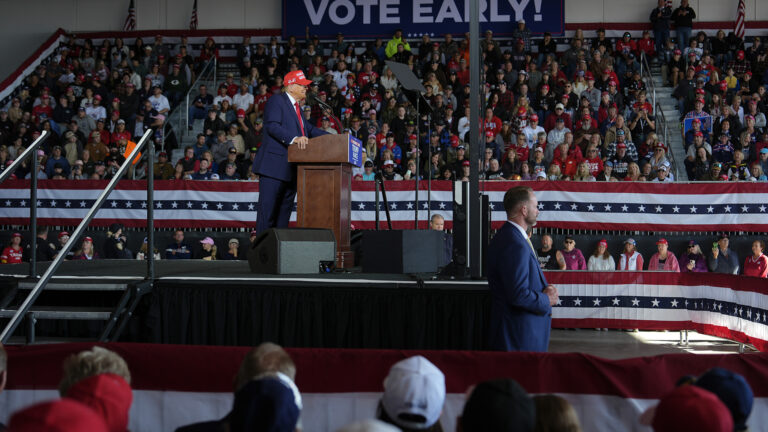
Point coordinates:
[(192, 87), (645, 71), (35, 292), (662, 119), (25, 154)]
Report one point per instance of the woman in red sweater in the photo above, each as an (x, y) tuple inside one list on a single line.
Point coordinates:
[(757, 264)]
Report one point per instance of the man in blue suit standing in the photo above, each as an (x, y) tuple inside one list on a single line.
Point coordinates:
[(284, 126), (521, 299)]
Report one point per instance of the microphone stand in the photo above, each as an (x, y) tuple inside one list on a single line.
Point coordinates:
[(312, 98), (380, 182)]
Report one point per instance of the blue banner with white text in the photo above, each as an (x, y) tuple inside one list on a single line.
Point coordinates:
[(380, 18)]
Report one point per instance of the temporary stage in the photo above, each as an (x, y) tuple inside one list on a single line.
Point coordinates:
[(223, 303)]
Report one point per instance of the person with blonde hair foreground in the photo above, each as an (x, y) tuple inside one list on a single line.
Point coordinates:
[(100, 379), (555, 414)]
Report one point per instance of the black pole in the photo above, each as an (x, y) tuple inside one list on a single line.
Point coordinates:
[(418, 160), (150, 257), (33, 217), (473, 201), (376, 202)]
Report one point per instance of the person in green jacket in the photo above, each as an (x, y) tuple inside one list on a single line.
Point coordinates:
[(396, 40)]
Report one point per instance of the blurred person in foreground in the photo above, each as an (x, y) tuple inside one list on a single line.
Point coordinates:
[(555, 414), (266, 360), (498, 405), (414, 394), (100, 379)]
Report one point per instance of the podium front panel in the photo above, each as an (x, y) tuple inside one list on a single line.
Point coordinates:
[(323, 200)]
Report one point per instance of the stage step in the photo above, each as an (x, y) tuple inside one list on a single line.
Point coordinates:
[(64, 313), (76, 286)]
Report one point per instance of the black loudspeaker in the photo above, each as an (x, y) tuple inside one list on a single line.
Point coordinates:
[(462, 226), (293, 251), (404, 252)]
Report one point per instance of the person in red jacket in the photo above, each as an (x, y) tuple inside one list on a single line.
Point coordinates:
[(757, 264), (13, 253)]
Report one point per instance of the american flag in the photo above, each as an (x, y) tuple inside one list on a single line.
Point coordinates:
[(740, 25), (726, 206), (193, 18), (130, 20)]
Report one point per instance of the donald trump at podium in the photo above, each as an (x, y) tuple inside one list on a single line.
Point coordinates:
[(284, 126)]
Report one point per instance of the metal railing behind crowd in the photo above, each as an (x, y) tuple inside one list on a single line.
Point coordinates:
[(661, 120), (208, 73)]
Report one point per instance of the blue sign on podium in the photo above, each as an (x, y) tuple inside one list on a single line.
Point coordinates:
[(355, 151)]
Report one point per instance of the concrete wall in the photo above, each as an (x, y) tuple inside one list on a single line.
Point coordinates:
[(24, 25)]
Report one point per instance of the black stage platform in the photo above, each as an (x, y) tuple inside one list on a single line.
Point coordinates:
[(223, 303)]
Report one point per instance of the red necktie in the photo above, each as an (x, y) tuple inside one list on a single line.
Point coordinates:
[(298, 114)]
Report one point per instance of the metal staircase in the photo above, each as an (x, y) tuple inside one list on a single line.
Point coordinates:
[(74, 301), (671, 115), (37, 298)]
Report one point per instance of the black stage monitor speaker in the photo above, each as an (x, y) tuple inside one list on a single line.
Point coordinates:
[(293, 251), (404, 251)]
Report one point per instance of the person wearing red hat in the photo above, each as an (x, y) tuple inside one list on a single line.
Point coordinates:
[(56, 416), (740, 64), (532, 130), (664, 259), (13, 254), (284, 126)]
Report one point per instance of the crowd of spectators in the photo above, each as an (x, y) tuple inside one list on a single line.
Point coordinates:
[(115, 246), (720, 258), (96, 395), (579, 114)]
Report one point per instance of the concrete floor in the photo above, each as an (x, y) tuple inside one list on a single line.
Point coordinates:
[(616, 344)]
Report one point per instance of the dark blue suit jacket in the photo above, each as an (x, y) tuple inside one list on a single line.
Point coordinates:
[(520, 311), (281, 125)]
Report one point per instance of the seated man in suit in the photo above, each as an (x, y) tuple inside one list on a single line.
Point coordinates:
[(521, 298), (284, 126)]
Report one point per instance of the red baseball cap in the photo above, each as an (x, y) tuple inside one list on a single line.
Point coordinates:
[(534, 117), (241, 113), (700, 91), (465, 163), (522, 111), (659, 145), (296, 77), (698, 134), (60, 414), (412, 137), (603, 242), (545, 87), (97, 97), (16, 235), (662, 241), (88, 239), (589, 76)]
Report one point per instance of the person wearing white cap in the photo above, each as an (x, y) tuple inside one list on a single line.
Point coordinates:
[(414, 394), (631, 259)]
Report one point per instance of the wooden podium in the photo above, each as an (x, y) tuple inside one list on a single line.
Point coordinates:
[(324, 187)]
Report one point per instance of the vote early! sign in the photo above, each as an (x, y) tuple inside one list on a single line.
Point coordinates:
[(380, 18)]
